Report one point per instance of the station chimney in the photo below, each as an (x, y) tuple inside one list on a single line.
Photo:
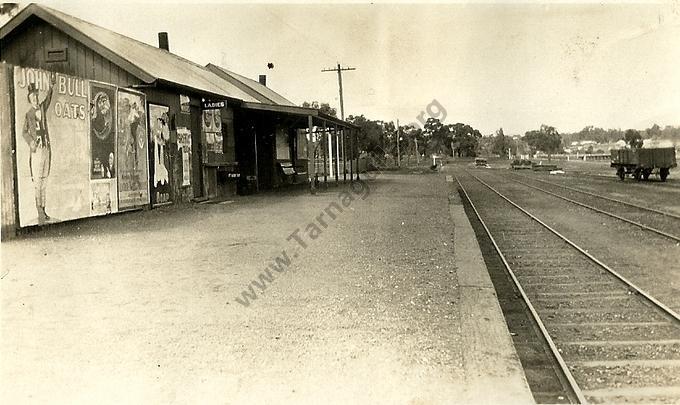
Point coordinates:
[(163, 41), (263, 80)]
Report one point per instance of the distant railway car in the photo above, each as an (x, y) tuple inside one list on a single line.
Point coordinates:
[(480, 162), (522, 164), (641, 163)]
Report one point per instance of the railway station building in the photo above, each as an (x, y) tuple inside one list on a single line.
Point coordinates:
[(123, 125)]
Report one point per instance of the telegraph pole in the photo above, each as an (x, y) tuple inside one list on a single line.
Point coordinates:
[(398, 154), (417, 153), (340, 70)]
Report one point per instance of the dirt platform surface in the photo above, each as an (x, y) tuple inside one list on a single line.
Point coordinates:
[(350, 296)]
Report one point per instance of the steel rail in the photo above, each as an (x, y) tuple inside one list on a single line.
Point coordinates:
[(669, 183), (572, 387), (611, 214), (668, 214), (666, 310)]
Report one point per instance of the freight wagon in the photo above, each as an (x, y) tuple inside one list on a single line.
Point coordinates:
[(642, 162)]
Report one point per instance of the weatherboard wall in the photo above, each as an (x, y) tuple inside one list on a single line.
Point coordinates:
[(178, 122), (29, 44), (7, 196)]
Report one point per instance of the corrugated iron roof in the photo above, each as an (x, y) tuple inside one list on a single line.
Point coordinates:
[(150, 64), (147, 62), (253, 87)]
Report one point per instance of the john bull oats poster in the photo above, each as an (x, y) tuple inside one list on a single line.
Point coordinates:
[(82, 147), (52, 146)]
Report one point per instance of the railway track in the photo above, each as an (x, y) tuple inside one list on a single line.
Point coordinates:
[(662, 223), (612, 341), (671, 182)]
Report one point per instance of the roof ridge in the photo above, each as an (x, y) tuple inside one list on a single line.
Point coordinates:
[(243, 76), (254, 85), (144, 61), (231, 71), (61, 15)]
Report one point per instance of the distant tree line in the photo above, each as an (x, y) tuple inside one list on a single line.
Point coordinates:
[(379, 138), (548, 140), (323, 107), (599, 135)]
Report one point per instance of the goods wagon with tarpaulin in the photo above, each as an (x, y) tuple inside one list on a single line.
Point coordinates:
[(643, 162)]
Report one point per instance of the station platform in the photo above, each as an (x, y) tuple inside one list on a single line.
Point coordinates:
[(490, 358), (371, 293)]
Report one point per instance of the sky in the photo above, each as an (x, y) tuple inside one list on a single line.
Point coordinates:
[(491, 65)]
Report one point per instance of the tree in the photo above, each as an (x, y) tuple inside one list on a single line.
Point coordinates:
[(633, 138), (464, 139), (370, 136), (486, 145), (591, 133), (323, 107), (654, 131), (500, 144), (546, 139), (8, 8), (520, 146), (413, 141), (436, 136), (455, 140)]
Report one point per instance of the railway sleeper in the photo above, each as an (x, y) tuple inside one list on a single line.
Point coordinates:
[(595, 314), (534, 273), (621, 350), (562, 280), (613, 331), (635, 395), (584, 287), (621, 301), (572, 294), (598, 375), (550, 266)]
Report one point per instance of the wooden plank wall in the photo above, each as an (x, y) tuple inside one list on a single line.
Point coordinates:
[(169, 97), (7, 192)]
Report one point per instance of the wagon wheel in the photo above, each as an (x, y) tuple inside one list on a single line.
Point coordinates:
[(663, 173), (621, 173), (646, 173), (637, 174)]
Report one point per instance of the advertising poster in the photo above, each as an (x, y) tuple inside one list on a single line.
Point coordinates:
[(217, 121), (185, 104), (208, 121), (160, 138), (103, 131), (52, 146), (103, 197), (217, 127), (184, 144), (210, 140), (132, 147), (212, 130), (218, 147)]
